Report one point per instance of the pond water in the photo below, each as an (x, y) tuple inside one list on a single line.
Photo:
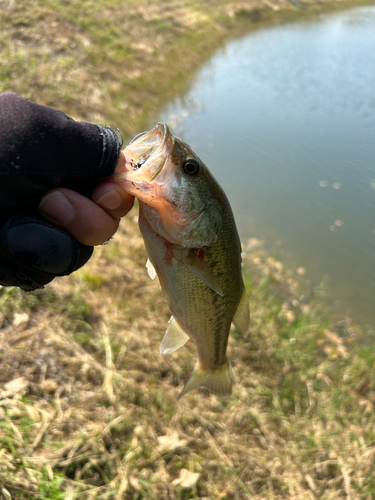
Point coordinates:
[(285, 119)]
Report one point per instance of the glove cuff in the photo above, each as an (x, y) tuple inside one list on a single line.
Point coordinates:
[(111, 147)]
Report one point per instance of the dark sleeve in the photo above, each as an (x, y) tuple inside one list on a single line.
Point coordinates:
[(42, 148)]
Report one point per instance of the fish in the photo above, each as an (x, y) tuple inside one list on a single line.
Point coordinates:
[(193, 247)]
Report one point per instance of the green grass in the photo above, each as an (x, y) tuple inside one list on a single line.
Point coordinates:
[(92, 412)]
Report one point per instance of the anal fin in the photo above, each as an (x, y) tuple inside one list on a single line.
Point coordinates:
[(174, 337), (241, 317), (202, 272), (218, 381)]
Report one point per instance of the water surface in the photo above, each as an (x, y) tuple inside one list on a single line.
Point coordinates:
[(285, 119)]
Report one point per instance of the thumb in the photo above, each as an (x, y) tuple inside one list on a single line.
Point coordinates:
[(33, 252)]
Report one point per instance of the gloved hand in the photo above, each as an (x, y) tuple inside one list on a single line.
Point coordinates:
[(33, 252), (42, 149)]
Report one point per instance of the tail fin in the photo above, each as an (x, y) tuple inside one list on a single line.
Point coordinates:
[(218, 382)]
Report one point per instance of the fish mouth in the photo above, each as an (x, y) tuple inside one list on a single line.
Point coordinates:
[(146, 154)]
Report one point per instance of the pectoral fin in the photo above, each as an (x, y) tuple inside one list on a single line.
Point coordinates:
[(202, 272), (150, 269), (241, 317), (174, 337)]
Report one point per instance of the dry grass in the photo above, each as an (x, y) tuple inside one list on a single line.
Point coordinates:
[(91, 410), (88, 406)]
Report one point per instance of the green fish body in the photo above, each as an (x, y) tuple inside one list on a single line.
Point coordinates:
[(193, 246)]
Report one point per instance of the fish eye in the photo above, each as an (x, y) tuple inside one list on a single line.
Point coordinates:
[(191, 167)]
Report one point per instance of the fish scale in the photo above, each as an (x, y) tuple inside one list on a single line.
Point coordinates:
[(193, 246)]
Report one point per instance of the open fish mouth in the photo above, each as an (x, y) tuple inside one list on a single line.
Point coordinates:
[(148, 151)]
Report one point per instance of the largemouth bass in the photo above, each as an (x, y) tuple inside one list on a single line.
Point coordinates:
[(193, 246)]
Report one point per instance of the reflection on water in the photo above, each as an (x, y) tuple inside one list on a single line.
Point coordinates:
[(285, 118)]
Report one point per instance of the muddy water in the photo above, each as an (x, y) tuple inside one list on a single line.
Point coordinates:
[(285, 118)]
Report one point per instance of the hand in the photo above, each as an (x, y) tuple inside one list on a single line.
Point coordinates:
[(63, 166), (91, 222)]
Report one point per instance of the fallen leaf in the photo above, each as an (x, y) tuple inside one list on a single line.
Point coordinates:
[(20, 318), (187, 479), (170, 442), (14, 387)]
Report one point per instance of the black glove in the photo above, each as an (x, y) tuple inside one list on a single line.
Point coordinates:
[(41, 148)]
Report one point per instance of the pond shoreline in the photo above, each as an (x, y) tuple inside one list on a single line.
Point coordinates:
[(89, 405), (224, 22), (123, 71), (119, 62), (230, 22)]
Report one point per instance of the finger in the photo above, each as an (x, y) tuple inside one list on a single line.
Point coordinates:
[(81, 217), (121, 163), (114, 200), (111, 196)]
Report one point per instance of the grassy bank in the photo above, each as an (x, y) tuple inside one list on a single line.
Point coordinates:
[(89, 410), (88, 406), (117, 61)]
